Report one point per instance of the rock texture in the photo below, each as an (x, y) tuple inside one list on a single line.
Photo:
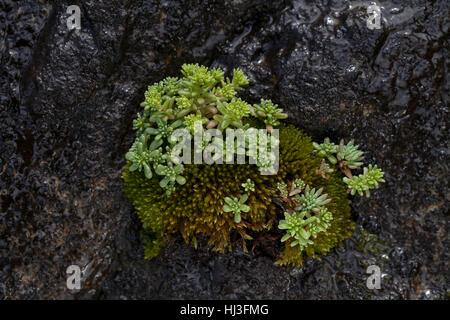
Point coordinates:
[(68, 98)]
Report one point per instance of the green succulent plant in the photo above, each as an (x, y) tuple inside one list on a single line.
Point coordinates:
[(296, 225), (232, 113), (199, 77), (200, 90), (248, 185), (153, 97), (312, 200), (297, 186), (140, 124), (327, 150), (163, 129), (141, 155), (171, 175), (269, 113), (184, 103), (303, 228), (178, 103), (370, 178), (202, 95), (236, 205), (239, 78), (322, 222), (306, 214), (190, 120), (349, 155)]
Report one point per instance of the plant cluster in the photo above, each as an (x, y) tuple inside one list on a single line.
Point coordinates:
[(305, 215), (202, 96), (347, 157), (236, 206), (219, 200), (369, 179)]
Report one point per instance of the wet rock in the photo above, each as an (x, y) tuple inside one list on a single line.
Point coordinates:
[(68, 98)]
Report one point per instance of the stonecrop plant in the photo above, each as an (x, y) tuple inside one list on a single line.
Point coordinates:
[(304, 203), (306, 213), (347, 157)]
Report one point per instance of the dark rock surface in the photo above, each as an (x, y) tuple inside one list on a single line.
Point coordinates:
[(68, 98)]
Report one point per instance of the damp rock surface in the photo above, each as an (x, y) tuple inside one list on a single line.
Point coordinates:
[(68, 98)]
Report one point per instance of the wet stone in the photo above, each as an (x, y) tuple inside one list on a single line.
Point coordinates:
[(68, 98)]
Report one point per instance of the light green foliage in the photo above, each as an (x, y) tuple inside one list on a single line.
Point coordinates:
[(327, 150), (269, 112), (171, 175), (282, 187), (248, 186), (163, 129), (232, 113), (153, 96), (322, 222), (203, 95), (368, 180), (239, 78), (140, 124), (306, 214), (312, 200), (144, 156), (183, 103), (141, 155), (296, 225), (298, 184), (303, 228), (190, 120), (349, 155), (236, 206)]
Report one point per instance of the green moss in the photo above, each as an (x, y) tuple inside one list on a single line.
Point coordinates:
[(369, 243), (153, 243), (197, 206)]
